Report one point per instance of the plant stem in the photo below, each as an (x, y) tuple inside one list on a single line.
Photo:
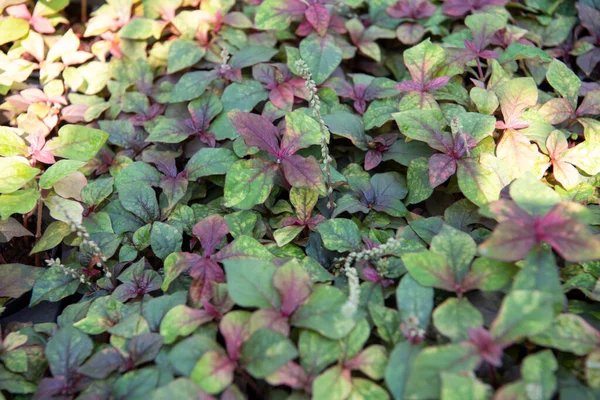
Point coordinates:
[(38, 231)]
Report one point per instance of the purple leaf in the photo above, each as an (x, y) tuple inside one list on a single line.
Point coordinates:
[(205, 272), (256, 131), (294, 286), (372, 159), (414, 9), (318, 16), (211, 231), (235, 328), (458, 8), (270, 319), (441, 167), (489, 351), (303, 173), (436, 84)]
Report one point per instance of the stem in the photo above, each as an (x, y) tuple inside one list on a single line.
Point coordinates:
[(83, 11), (481, 77), (38, 232)]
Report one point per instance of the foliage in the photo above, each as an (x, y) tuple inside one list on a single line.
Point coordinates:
[(350, 199)]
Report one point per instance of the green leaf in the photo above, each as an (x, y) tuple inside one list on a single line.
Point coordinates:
[(592, 369), (191, 86), (415, 302), (183, 54), (387, 321), (165, 239), (518, 51), (249, 182), (11, 144), (454, 317), (249, 283), (242, 96), (478, 183), (269, 17), (58, 171), (19, 202), (316, 351), (141, 28), (15, 172), (486, 101), (398, 369), (379, 112), (13, 28), (430, 269), (523, 313), (417, 177), (286, 234), (210, 161), (213, 372), (15, 383), (570, 333), (539, 374), (532, 195), (182, 320), (425, 372), (140, 200), (335, 383), (489, 275), (17, 279), (67, 211), (322, 312), (349, 126), (77, 142), (266, 351), (460, 387), (67, 350), (321, 55), (180, 389), (136, 385), (97, 190), (564, 81), (185, 354), (457, 248), (53, 235), (53, 286), (340, 234)]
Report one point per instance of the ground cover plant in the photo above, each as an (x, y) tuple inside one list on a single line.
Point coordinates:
[(295, 199)]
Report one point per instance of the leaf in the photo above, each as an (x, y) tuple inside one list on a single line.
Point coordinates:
[(191, 86), (58, 171), (180, 388), (11, 143), (11, 228), (15, 383), (303, 173), (430, 269), (211, 231), (301, 131), (136, 385), (15, 172), (182, 320), (398, 369), (17, 279), (210, 161), (415, 303), (564, 81), (294, 286), (479, 184), (423, 60), (419, 188), (335, 383), (67, 350), (52, 237), (349, 126), (322, 312), (257, 131), (458, 249), (321, 55), (249, 283), (248, 182), (14, 28), (213, 372), (272, 15), (102, 363), (77, 142), (183, 53), (539, 374), (456, 386), (243, 96), (570, 333), (53, 285), (523, 313), (340, 235), (18, 202), (454, 317), (140, 200), (165, 239), (515, 96), (266, 351), (140, 28), (425, 372)]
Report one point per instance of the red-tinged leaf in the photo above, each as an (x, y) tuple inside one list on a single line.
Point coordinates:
[(301, 131), (182, 320), (303, 173), (370, 361), (176, 264), (205, 272), (509, 242), (507, 210), (256, 131), (556, 111), (213, 372), (269, 319), (488, 350), (408, 86), (441, 167), (457, 8), (282, 97), (294, 285), (211, 231), (423, 61), (414, 9), (409, 33), (291, 375), (515, 96), (590, 104), (520, 154), (372, 159), (568, 236), (436, 84), (235, 328), (318, 16)]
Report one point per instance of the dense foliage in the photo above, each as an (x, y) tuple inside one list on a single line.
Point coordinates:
[(350, 199)]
